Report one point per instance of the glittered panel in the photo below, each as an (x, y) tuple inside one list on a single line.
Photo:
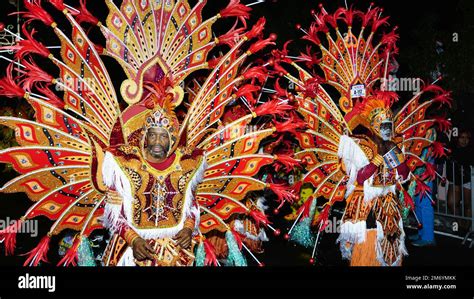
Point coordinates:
[(248, 166), (206, 108), (54, 203), (245, 145), (57, 119), (32, 133), (210, 222), (231, 131), (236, 187), (39, 183), (25, 160), (80, 214)]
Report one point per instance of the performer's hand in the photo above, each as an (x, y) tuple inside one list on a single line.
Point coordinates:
[(142, 250), (184, 237)]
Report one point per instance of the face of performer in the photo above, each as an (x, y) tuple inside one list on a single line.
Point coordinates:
[(386, 131), (464, 139), (157, 144)]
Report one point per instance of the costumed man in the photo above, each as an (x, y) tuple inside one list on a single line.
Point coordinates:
[(372, 227), (354, 149), (155, 214), (155, 181)]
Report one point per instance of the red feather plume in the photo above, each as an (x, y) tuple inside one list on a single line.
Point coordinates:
[(8, 86), (323, 217), (276, 107), (27, 46), (257, 29), (289, 163), (262, 43), (36, 12), (256, 72), (429, 173), (59, 4), (39, 253), (305, 208), (84, 16), (443, 124), (291, 125), (283, 192), (70, 258), (259, 217), (232, 36), (408, 200), (53, 99), (8, 236), (421, 188), (444, 98), (236, 9), (33, 74), (211, 258), (438, 149)]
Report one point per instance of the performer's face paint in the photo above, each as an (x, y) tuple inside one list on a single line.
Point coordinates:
[(157, 143), (386, 131)]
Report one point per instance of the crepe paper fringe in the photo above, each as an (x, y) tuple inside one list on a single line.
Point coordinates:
[(235, 256)]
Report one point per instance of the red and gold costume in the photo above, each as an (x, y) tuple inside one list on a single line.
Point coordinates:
[(340, 164), (85, 144)]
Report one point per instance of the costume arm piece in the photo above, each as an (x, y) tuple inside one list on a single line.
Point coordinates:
[(367, 171), (404, 171)]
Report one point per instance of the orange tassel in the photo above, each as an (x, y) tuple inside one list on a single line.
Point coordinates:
[(364, 254)]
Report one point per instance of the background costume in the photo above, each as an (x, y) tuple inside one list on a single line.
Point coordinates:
[(337, 149)]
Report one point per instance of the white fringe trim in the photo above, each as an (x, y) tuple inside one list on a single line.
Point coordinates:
[(353, 233), (261, 204), (114, 177), (127, 259), (354, 159), (374, 192)]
